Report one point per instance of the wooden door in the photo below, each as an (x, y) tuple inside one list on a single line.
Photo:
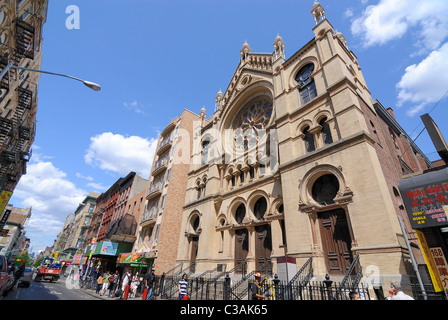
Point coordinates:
[(194, 253), (241, 250), (263, 248), (336, 241)]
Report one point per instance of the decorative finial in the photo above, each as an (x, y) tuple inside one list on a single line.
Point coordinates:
[(279, 48), (318, 12), (245, 50)]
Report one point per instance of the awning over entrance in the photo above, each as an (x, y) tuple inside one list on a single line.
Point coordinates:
[(107, 248), (136, 259)]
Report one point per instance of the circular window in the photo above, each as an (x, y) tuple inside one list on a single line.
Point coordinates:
[(260, 208), (251, 122), (240, 213), (325, 189)]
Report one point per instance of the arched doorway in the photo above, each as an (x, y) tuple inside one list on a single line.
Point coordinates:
[(194, 242), (336, 240), (334, 226)]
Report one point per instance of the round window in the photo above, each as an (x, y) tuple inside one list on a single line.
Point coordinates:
[(325, 189)]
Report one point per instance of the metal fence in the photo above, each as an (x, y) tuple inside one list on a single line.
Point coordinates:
[(200, 288)]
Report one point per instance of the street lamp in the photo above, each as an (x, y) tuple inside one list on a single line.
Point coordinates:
[(91, 85)]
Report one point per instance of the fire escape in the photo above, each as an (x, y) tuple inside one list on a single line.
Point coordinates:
[(16, 126)]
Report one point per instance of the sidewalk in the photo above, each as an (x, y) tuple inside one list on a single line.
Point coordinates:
[(92, 293)]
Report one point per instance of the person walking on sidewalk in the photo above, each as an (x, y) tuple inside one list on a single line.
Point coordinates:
[(113, 286), (183, 284), (125, 282), (99, 283), (149, 283), (105, 283)]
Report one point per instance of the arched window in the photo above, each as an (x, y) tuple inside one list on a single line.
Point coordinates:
[(326, 132), (260, 208), (251, 122), (195, 224), (307, 87), (309, 140), (205, 145), (240, 213)]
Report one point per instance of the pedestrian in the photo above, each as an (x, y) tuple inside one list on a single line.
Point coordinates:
[(18, 273), (125, 282), (105, 283), (134, 285), (99, 283), (149, 282), (256, 287), (114, 284), (354, 296), (396, 293), (182, 286)]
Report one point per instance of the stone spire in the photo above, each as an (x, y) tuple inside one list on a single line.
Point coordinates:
[(318, 12), (279, 48), (245, 50)]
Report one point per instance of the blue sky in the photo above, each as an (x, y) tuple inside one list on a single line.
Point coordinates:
[(155, 58)]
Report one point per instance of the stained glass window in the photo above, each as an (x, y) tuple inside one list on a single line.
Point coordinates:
[(252, 121), (307, 87)]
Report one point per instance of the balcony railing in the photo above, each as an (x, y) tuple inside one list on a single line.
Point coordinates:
[(154, 189), (164, 144), (148, 215), (160, 164)]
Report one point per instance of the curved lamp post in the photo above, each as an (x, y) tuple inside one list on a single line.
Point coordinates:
[(91, 85)]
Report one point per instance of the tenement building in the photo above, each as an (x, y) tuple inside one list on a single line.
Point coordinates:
[(298, 162), (159, 227), (21, 23)]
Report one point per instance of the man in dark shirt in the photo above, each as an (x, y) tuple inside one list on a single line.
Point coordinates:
[(149, 283)]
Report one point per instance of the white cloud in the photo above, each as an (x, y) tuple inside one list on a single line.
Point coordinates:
[(97, 186), (425, 82), (47, 190), (391, 19), (120, 154), (88, 178), (52, 197), (135, 106)]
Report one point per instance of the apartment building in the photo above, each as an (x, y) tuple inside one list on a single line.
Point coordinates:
[(159, 227), (21, 23)]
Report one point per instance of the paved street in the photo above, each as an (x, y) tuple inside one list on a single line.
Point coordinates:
[(60, 290), (46, 290)]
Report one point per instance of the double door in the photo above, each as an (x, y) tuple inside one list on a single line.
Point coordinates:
[(336, 241), (262, 253)]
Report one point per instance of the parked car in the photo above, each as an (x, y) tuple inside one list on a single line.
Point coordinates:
[(5, 278), (25, 279)]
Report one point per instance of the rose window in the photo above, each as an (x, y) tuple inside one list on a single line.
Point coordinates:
[(252, 121)]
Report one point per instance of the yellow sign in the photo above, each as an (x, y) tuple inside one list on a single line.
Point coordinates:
[(442, 266), (429, 261), (4, 199)]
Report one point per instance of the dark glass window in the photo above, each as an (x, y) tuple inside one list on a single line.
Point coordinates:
[(307, 87), (309, 140), (325, 189), (326, 132), (240, 213), (260, 208)]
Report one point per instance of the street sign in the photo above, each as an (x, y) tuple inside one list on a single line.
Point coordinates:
[(425, 198)]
